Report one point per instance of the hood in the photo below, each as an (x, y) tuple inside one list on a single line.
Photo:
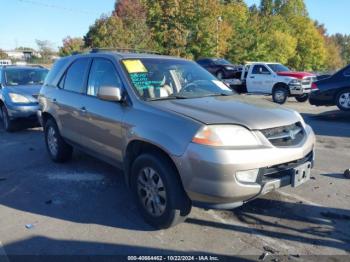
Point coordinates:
[(247, 111), (25, 89), (298, 75)]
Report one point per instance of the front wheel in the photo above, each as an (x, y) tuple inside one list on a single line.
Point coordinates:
[(280, 95), (158, 191), (303, 98), (57, 148), (6, 121), (343, 100)]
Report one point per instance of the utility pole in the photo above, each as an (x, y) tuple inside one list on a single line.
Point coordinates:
[(218, 21)]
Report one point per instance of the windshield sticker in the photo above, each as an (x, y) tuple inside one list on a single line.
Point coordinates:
[(221, 85), (141, 81), (135, 66)]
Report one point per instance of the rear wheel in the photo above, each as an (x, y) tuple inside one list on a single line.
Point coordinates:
[(303, 98), (57, 148), (6, 121), (343, 100), (280, 95), (158, 191)]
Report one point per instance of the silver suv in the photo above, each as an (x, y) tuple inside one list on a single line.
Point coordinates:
[(181, 136)]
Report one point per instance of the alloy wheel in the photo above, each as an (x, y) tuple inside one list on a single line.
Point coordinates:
[(52, 141), (279, 96), (344, 100), (151, 191)]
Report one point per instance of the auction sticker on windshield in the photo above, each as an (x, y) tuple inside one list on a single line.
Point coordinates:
[(135, 66)]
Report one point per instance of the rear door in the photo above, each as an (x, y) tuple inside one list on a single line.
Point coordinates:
[(68, 99), (260, 79), (101, 125)]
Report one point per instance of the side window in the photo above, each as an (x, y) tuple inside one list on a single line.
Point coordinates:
[(347, 72), (75, 76), (204, 62), (102, 73), (260, 70)]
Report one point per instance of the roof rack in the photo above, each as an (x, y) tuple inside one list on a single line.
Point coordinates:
[(124, 50), (39, 66)]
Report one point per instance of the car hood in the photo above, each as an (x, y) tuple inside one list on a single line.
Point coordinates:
[(250, 112), (25, 89), (298, 75)]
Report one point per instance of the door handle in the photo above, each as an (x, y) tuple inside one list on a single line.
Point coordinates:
[(252, 77)]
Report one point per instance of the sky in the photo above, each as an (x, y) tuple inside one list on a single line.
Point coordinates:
[(23, 21)]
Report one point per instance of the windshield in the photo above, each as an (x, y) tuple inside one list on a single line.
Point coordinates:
[(28, 76), (222, 62), (278, 68), (157, 79)]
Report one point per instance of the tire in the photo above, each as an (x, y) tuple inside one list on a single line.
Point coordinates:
[(280, 95), (302, 98), (153, 171), (57, 148), (343, 100), (220, 75), (6, 121)]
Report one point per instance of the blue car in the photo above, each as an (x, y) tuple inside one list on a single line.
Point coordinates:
[(19, 89)]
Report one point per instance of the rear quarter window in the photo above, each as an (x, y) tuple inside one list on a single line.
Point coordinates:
[(55, 70)]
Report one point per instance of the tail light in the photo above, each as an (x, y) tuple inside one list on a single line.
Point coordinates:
[(314, 87)]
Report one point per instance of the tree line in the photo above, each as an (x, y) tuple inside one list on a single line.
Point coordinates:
[(275, 30)]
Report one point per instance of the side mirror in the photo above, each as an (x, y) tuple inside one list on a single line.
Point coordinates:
[(110, 93)]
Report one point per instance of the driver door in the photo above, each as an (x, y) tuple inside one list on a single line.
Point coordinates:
[(260, 80)]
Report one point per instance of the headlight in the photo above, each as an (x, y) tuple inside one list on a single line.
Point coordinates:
[(225, 135), (229, 68), (16, 98), (295, 82)]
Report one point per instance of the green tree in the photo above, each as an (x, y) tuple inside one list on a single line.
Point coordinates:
[(3, 55), (343, 41), (71, 45), (123, 29)]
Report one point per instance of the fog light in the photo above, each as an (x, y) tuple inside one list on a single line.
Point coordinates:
[(249, 176)]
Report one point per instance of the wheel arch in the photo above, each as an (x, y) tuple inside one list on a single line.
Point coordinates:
[(45, 116), (136, 148), (281, 84)]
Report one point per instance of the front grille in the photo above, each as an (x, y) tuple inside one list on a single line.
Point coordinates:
[(285, 135)]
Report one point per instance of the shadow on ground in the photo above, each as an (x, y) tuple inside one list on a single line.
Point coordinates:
[(324, 123), (69, 250), (297, 222)]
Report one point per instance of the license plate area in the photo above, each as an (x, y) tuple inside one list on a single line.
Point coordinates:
[(301, 174)]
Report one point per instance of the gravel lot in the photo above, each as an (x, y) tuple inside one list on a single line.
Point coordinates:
[(83, 207)]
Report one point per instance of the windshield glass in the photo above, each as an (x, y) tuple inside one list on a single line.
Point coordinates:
[(27, 76), (222, 62), (157, 79), (278, 68)]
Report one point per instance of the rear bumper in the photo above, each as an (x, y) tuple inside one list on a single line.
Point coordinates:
[(318, 99), (209, 174)]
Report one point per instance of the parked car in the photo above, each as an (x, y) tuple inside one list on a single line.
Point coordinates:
[(334, 90), (19, 89), (181, 136), (275, 79), (221, 68)]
